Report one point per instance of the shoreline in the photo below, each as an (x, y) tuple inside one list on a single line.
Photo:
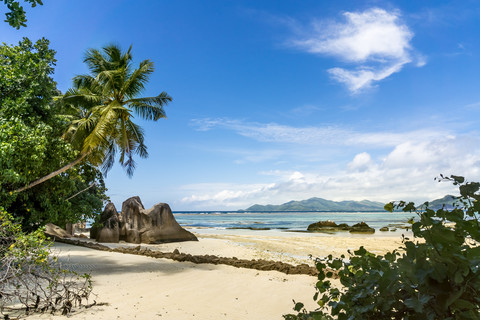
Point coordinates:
[(129, 286), (291, 247), (275, 245)]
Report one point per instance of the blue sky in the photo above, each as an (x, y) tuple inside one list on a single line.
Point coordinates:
[(286, 100)]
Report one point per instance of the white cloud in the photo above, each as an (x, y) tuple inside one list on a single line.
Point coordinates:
[(363, 77), (372, 34), (340, 163), (375, 41), (223, 196), (305, 110), (361, 162), (473, 106), (405, 172), (326, 135)]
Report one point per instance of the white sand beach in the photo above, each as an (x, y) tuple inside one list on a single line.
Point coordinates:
[(137, 287)]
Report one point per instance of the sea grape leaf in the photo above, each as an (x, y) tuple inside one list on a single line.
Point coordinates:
[(389, 207)]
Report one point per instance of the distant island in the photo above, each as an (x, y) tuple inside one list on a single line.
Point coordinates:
[(448, 202), (320, 204)]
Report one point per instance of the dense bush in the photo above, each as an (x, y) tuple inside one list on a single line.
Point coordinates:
[(31, 278), (31, 143), (435, 275)]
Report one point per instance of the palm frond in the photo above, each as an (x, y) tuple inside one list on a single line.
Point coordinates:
[(137, 135), (96, 157), (100, 108), (82, 98), (104, 122), (123, 141), (84, 81), (107, 80), (95, 61), (79, 130), (113, 53), (129, 166), (150, 108), (109, 158), (138, 78)]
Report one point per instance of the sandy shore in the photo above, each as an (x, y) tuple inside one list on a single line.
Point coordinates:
[(138, 287)]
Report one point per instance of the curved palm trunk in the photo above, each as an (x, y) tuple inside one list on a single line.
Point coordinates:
[(53, 174)]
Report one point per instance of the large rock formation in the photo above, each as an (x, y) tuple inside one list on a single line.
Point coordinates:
[(327, 226), (134, 224), (56, 232), (330, 226), (110, 232), (362, 227)]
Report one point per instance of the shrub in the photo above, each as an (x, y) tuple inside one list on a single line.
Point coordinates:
[(31, 278), (434, 276)]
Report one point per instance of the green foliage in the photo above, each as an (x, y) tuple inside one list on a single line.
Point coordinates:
[(102, 105), (319, 204), (434, 276), (16, 17), (31, 143), (31, 276), (24, 248)]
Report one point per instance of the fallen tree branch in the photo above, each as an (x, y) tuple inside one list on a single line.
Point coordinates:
[(263, 265)]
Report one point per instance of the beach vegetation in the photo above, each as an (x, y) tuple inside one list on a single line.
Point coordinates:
[(32, 144), (17, 17), (101, 107), (31, 277), (434, 275)]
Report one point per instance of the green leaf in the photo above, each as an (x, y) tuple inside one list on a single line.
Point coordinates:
[(435, 277), (298, 306), (336, 264), (458, 278), (361, 251), (389, 207), (458, 179), (465, 305)]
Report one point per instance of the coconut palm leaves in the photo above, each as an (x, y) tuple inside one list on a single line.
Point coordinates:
[(106, 101), (101, 106)]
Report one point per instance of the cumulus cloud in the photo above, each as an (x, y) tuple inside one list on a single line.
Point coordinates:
[(360, 162), (405, 172), (375, 42), (224, 196)]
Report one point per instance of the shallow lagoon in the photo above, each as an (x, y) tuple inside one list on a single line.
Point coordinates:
[(289, 221)]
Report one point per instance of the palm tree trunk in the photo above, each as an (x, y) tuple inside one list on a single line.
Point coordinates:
[(54, 173)]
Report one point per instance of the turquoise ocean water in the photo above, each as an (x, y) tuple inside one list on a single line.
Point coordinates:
[(291, 221)]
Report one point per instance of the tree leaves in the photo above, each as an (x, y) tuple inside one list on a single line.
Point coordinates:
[(435, 277), (16, 17), (105, 102), (31, 142)]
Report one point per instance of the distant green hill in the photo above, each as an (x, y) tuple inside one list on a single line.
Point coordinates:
[(319, 204), (448, 201)]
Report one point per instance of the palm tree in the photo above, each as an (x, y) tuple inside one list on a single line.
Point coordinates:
[(101, 106)]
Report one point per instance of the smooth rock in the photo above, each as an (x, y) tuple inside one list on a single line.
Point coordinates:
[(361, 227), (56, 232), (110, 232), (328, 226), (164, 227), (134, 224)]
